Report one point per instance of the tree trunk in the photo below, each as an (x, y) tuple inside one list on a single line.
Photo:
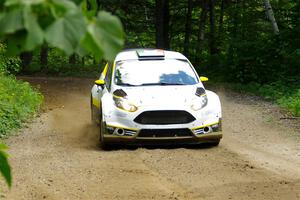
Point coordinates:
[(271, 17), (221, 17), (220, 27), (44, 56), (233, 35), (72, 59), (98, 5), (212, 38), (88, 5), (188, 28), (162, 24), (202, 22), (26, 58)]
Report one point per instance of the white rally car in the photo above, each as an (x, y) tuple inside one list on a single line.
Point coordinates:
[(154, 96)]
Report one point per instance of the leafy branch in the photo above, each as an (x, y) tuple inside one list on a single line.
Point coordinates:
[(28, 24), (4, 165)]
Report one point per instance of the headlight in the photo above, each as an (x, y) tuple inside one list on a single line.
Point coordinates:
[(124, 104), (199, 103)]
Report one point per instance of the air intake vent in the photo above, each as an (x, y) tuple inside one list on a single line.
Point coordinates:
[(150, 54), (164, 117), (183, 132)]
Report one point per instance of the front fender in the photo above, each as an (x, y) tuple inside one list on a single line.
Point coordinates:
[(214, 102), (107, 105)]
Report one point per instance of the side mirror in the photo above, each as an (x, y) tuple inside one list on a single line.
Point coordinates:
[(100, 82), (203, 79)]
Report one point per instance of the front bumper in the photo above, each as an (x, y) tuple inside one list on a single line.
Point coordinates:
[(203, 134), (122, 127)]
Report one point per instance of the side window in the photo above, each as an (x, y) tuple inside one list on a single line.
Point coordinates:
[(108, 76)]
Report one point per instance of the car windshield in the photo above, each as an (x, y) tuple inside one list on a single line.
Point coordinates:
[(154, 72)]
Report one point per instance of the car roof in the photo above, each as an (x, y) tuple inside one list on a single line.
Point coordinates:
[(136, 54)]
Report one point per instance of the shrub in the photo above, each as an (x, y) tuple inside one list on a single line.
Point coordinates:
[(8, 64), (18, 102), (291, 102)]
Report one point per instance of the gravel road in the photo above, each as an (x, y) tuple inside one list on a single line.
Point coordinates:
[(57, 155)]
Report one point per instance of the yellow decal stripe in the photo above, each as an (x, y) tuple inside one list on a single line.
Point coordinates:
[(96, 103), (205, 125), (132, 129), (105, 70), (118, 97)]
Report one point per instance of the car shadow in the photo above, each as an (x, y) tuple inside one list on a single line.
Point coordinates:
[(117, 147)]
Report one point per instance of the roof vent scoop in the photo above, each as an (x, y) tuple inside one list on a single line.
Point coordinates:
[(120, 93), (155, 54), (200, 91)]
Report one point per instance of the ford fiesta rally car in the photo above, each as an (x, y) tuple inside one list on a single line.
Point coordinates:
[(153, 96)]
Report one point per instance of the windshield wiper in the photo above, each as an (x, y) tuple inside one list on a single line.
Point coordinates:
[(172, 84), (127, 84), (162, 83), (149, 84)]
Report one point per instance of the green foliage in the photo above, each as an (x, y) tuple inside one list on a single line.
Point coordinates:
[(104, 36), (66, 32), (291, 102), (4, 165), (285, 93), (8, 64), (253, 58), (26, 25), (18, 102), (252, 52)]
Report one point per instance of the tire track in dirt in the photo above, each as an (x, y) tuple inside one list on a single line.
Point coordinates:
[(255, 133)]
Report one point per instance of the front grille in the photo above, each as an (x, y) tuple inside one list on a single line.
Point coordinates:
[(164, 117), (182, 132)]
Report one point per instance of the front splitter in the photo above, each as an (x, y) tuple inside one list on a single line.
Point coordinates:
[(205, 138)]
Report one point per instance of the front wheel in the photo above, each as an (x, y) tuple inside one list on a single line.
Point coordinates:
[(103, 143), (92, 110), (215, 143)]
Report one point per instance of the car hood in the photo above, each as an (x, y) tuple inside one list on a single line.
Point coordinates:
[(161, 95)]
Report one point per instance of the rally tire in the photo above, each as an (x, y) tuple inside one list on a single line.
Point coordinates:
[(92, 111), (101, 138), (215, 143), (103, 144)]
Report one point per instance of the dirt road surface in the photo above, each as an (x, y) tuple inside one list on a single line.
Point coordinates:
[(57, 156)]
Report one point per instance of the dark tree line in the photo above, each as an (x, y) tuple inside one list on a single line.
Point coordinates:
[(246, 40)]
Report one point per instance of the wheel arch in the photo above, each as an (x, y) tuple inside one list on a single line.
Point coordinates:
[(214, 101)]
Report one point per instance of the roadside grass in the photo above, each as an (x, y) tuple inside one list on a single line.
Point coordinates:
[(18, 103), (285, 94)]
